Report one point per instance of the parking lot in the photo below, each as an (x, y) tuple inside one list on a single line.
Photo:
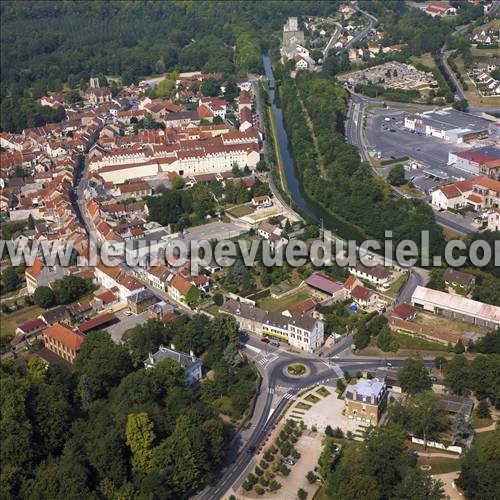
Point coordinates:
[(125, 323), (385, 134), (215, 231)]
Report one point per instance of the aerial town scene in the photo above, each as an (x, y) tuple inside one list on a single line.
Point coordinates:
[(250, 250)]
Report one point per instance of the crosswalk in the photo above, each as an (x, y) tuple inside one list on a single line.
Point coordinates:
[(267, 359)]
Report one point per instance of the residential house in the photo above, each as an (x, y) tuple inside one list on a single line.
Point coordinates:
[(376, 274), (404, 311), (189, 362), (494, 220), (263, 201), (179, 287), (478, 192), (158, 276), (40, 275), (453, 277), (115, 278), (58, 314), (63, 341), (273, 234)]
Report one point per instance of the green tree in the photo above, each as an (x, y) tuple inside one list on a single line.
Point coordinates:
[(10, 280), (459, 347), (177, 182), (481, 469), (44, 297), (414, 376), (421, 414), (140, 437), (31, 222), (418, 485), (385, 339), (456, 375), (483, 410), (301, 494), (396, 176), (461, 428)]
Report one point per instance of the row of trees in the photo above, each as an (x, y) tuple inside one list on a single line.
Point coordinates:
[(345, 186), (110, 428)]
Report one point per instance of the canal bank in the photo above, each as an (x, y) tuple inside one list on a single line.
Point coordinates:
[(300, 201)]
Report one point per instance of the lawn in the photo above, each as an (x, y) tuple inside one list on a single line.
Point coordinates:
[(396, 285), (440, 465), (322, 391), (240, 211), (9, 322), (302, 406), (411, 191), (312, 398), (425, 59), (279, 305), (484, 53), (409, 345), (478, 423)]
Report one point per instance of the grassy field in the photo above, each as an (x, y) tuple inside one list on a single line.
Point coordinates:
[(396, 286), (240, 211), (411, 191), (484, 53), (408, 345), (279, 305), (425, 59), (9, 322), (440, 465)]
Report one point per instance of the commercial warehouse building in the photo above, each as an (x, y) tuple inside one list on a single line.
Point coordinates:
[(456, 307), (448, 124), (472, 160)]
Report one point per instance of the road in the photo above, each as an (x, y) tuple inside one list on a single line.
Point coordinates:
[(277, 389), (459, 93), (373, 21)]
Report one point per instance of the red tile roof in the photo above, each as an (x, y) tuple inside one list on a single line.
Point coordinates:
[(72, 340)]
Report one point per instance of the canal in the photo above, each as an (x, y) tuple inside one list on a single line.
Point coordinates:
[(301, 201)]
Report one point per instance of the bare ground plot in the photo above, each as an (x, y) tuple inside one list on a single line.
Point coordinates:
[(442, 323)]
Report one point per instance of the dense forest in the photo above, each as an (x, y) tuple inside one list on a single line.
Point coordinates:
[(108, 428), (337, 179), (56, 45)]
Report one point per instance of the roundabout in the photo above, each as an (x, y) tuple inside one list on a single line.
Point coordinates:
[(297, 370)]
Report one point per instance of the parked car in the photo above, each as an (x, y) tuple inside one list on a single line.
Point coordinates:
[(265, 340), (288, 461), (275, 343)]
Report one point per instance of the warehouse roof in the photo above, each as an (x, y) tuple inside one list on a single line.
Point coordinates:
[(457, 303)]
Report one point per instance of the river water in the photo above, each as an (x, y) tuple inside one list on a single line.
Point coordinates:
[(302, 202)]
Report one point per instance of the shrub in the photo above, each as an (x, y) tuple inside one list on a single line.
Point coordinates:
[(301, 494), (311, 477), (259, 489), (338, 433), (483, 410), (284, 470), (258, 471), (274, 485), (314, 428)]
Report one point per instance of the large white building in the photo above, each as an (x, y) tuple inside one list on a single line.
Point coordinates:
[(299, 330), (456, 307), (448, 124), (185, 158)]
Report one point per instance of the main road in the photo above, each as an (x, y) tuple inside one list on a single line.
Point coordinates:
[(276, 391)]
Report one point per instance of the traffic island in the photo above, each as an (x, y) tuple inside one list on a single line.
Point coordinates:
[(296, 370)]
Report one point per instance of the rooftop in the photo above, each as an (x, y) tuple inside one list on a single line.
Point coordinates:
[(457, 303), (185, 360), (449, 119), (323, 283), (367, 387)]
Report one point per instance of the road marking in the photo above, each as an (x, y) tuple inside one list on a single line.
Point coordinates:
[(252, 348)]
